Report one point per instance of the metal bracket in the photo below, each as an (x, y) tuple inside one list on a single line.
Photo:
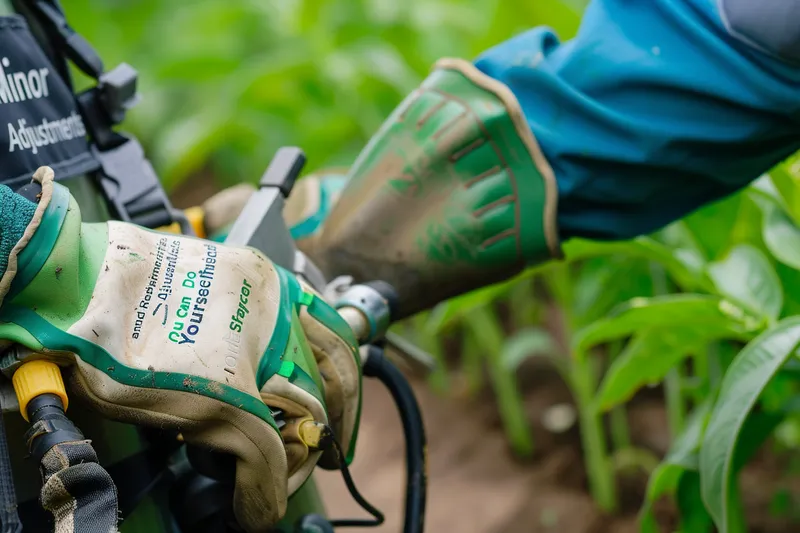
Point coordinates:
[(261, 224)]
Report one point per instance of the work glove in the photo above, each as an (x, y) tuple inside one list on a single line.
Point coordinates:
[(182, 333), (451, 194), (304, 213)]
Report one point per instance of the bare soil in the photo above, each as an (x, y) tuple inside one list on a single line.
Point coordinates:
[(477, 486)]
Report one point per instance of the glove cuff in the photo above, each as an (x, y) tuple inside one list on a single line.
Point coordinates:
[(34, 244)]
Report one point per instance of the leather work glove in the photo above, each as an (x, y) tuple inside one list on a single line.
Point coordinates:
[(451, 194), (305, 211), (182, 333)]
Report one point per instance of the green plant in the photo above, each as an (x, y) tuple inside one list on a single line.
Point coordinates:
[(225, 84)]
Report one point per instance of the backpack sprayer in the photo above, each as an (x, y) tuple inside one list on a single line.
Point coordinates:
[(200, 485)]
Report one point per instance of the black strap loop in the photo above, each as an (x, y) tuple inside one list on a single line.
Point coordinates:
[(74, 46)]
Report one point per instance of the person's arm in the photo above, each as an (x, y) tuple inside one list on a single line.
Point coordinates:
[(657, 107)]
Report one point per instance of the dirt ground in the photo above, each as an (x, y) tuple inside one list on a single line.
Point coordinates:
[(476, 486)]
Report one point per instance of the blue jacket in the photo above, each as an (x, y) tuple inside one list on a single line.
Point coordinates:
[(657, 107)]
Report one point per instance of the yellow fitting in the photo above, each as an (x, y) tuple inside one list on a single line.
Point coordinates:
[(35, 378), (313, 434), (196, 217)]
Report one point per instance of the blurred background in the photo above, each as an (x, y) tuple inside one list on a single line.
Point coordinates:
[(542, 416)]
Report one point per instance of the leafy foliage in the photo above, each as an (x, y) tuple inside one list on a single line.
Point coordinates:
[(225, 84)]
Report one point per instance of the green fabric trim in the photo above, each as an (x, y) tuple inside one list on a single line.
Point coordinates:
[(299, 351), (329, 186), (273, 355), (15, 334), (62, 289), (285, 344), (299, 378), (32, 258), (16, 213), (327, 315), (282, 344), (287, 367), (221, 235), (55, 339)]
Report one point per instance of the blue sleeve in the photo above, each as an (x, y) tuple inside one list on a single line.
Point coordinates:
[(655, 108)]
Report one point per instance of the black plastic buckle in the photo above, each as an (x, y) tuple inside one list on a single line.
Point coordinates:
[(105, 105), (131, 186)]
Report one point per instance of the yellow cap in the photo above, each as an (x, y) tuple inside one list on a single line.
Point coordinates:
[(196, 217), (172, 228), (35, 378)]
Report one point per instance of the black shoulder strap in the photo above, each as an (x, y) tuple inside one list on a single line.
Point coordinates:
[(127, 179)]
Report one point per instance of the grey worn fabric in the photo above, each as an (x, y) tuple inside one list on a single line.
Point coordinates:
[(9, 518), (78, 492), (772, 26)]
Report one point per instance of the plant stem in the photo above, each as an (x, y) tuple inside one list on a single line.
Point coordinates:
[(472, 363), (488, 335), (673, 388), (523, 305), (620, 433), (583, 382), (439, 380), (598, 464), (674, 398)]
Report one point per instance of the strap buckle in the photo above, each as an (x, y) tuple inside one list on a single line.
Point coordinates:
[(131, 186)]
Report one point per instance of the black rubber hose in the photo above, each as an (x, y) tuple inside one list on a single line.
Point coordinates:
[(379, 367)]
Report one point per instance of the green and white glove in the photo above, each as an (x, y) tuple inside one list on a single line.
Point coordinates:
[(182, 333), (451, 194)]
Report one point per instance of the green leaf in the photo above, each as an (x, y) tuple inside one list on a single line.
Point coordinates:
[(694, 517), (681, 457), (717, 316), (786, 179), (605, 282), (747, 277), (711, 225), (526, 343), (747, 376), (647, 359), (781, 235), (685, 274), (447, 314)]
